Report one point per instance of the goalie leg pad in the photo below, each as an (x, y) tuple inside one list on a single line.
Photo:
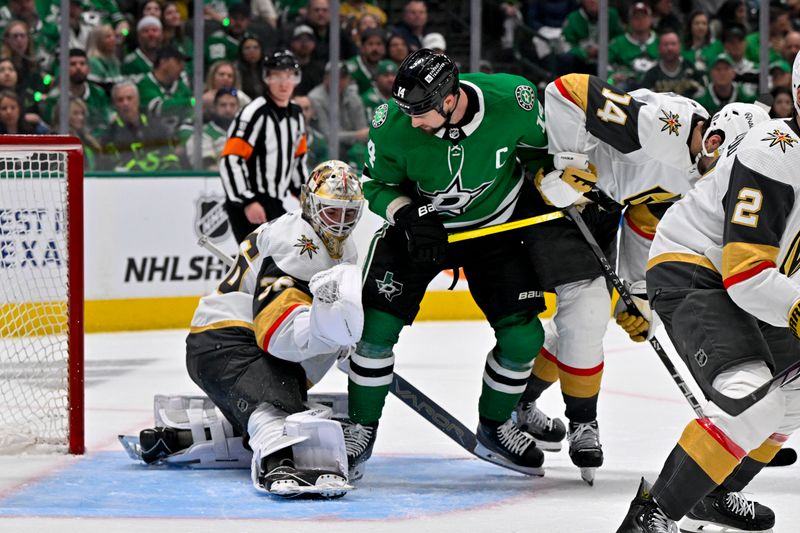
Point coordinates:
[(323, 447)]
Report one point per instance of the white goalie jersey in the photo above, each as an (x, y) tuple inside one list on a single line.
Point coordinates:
[(638, 141), (267, 292), (741, 226)]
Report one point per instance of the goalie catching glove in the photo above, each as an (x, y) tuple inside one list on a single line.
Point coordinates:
[(639, 326), (565, 186), (427, 238)]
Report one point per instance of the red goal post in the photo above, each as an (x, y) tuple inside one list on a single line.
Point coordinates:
[(41, 294)]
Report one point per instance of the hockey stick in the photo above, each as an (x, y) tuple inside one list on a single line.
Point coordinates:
[(507, 226), (732, 406), (408, 394)]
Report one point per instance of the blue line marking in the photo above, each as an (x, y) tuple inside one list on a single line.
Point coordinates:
[(110, 485)]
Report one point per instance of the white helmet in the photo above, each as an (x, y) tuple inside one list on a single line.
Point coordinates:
[(731, 121), (332, 202)]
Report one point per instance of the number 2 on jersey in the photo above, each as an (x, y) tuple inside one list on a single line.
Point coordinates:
[(611, 112), (746, 208)]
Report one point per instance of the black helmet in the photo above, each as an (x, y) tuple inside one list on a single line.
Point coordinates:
[(423, 81), (280, 60)]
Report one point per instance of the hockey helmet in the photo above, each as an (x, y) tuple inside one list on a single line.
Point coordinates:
[(281, 60), (731, 121), (423, 81), (796, 82), (333, 202)]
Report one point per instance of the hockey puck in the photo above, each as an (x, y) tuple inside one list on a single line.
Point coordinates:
[(784, 457)]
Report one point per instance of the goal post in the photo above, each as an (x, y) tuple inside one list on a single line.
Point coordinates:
[(41, 294)]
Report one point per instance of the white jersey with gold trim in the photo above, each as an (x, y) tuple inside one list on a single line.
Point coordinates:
[(742, 222), (637, 141)]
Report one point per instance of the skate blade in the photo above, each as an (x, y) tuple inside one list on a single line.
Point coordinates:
[(356, 473), (548, 446), (587, 474), (689, 525), (131, 445), (488, 455), (323, 490)]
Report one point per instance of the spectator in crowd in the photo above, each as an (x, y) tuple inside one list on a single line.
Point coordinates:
[(222, 75), (18, 46), (636, 51), (250, 65), (580, 32), (549, 13), (317, 144), (779, 25), (665, 16), (80, 87), (27, 97), (78, 126), (723, 89), (436, 42), (780, 74), (224, 43), (133, 141), (43, 35), (730, 12), (264, 10), (412, 26), (302, 45), (697, 40), (782, 103), (366, 22), (380, 90), (733, 42), (225, 105), (79, 28), (151, 8), (353, 128), (12, 119), (791, 46), (164, 95), (673, 73), (174, 28), (105, 67), (362, 67), (150, 35), (318, 17), (397, 48), (352, 11)]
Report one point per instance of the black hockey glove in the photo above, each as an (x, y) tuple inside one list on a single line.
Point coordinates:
[(427, 238)]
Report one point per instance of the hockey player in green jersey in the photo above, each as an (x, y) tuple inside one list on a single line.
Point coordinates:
[(443, 157)]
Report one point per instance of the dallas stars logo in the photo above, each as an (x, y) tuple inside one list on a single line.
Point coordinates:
[(671, 122), (388, 287), (380, 116), (780, 138), (454, 199), (306, 245)]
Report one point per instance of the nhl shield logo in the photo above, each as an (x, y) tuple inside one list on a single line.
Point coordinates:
[(701, 357), (211, 219)]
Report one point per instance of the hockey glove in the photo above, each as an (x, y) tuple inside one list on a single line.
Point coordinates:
[(427, 238), (794, 319), (641, 326)]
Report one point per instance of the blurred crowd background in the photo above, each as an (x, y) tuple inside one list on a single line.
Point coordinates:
[(130, 62)]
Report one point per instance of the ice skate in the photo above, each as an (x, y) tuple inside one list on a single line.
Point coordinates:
[(286, 481), (359, 440), (585, 449), (507, 445), (547, 432), (645, 516), (728, 512)]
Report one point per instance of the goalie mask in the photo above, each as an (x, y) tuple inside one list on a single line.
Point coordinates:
[(332, 202), (730, 122)]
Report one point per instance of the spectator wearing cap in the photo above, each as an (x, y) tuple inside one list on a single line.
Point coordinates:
[(318, 18), (163, 94), (779, 25), (723, 89), (312, 69), (224, 107), (380, 90), (673, 73), (780, 74), (149, 32), (636, 51), (91, 94), (734, 44), (134, 142), (362, 67), (436, 42), (351, 12), (580, 32), (222, 75), (353, 129), (413, 24), (224, 43), (250, 66)]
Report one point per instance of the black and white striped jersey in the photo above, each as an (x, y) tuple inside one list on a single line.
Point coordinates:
[(265, 154)]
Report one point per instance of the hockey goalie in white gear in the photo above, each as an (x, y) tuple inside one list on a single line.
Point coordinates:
[(287, 308)]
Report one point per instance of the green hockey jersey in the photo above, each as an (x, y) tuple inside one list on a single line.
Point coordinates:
[(470, 170)]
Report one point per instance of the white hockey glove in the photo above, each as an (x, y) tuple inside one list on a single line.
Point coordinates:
[(337, 317), (639, 328), (573, 177)]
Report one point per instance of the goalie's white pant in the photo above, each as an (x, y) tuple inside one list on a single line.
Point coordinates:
[(316, 441)]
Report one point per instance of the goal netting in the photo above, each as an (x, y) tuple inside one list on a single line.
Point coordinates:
[(41, 294)]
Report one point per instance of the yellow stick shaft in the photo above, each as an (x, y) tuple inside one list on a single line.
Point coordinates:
[(490, 230)]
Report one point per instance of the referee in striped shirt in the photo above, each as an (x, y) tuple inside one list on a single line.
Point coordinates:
[(265, 155)]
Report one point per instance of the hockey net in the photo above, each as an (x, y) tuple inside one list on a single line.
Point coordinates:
[(41, 294)]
